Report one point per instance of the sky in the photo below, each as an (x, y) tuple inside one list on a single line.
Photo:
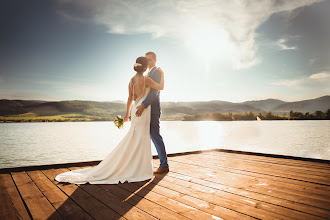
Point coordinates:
[(233, 51)]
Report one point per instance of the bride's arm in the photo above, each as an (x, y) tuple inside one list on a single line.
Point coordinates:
[(155, 85), (129, 102)]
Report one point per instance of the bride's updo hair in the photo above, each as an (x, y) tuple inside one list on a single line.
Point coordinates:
[(144, 64)]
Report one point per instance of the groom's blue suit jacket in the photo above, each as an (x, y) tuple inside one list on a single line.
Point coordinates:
[(153, 96)]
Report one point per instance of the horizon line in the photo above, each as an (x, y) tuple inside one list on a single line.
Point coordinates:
[(161, 101)]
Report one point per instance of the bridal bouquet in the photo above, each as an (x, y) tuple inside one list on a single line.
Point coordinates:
[(119, 121)]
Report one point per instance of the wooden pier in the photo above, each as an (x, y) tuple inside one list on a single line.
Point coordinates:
[(213, 184)]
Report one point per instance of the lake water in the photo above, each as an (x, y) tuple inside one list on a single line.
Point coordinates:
[(25, 144)]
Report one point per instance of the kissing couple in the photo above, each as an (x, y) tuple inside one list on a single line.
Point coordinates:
[(131, 159)]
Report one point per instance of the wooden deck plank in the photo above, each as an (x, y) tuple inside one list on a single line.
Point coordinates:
[(271, 200), (37, 203), (217, 207), (122, 207), (164, 201), (225, 188), (258, 201), (188, 208), (161, 200), (200, 185), (242, 182), (317, 185), (285, 207), (11, 205), (140, 202), (297, 168), (275, 157), (257, 180), (7, 210), (251, 207), (91, 205), (284, 169), (291, 162), (64, 205), (286, 164)]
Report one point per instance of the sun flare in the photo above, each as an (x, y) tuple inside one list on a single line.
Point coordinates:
[(210, 44)]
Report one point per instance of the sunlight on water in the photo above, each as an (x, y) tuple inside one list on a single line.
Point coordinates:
[(24, 144), (190, 136)]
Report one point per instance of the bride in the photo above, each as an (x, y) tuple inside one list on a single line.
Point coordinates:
[(131, 159)]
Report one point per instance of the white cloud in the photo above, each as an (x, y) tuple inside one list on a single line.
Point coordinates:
[(289, 83), (317, 78), (281, 44), (320, 76), (234, 22)]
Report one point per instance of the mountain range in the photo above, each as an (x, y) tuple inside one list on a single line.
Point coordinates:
[(170, 110)]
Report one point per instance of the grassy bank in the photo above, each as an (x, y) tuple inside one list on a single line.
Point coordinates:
[(318, 115), (31, 117), (52, 118)]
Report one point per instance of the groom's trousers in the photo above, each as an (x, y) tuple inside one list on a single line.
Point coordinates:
[(158, 140)]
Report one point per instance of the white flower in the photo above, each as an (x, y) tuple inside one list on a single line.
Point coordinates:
[(137, 64)]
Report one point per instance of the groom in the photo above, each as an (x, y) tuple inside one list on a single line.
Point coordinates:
[(153, 100)]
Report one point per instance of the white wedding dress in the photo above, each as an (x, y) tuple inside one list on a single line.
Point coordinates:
[(130, 160)]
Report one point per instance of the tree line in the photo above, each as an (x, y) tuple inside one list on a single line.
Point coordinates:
[(318, 115), (68, 119)]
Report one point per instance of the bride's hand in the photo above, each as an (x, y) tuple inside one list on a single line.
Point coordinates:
[(125, 118)]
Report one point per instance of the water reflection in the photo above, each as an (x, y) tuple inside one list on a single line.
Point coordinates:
[(23, 144)]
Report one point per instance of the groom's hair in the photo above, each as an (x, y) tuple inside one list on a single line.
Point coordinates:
[(152, 54)]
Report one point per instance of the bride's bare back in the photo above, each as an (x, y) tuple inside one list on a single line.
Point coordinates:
[(137, 86)]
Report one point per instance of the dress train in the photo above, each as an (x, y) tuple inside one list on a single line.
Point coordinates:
[(130, 160)]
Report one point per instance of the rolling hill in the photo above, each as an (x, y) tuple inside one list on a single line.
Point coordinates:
[(170, 110)]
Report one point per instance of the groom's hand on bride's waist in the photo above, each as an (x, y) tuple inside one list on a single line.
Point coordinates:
[(139, 110)]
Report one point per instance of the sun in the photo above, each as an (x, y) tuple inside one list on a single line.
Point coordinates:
[(211, 44)]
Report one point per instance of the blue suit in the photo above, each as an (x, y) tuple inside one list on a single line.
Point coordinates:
[(153, 100)]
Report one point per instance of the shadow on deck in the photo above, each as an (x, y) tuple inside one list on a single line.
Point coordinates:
[(209, 184)]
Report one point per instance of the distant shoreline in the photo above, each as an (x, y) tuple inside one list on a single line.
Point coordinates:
[(216, 116), (76, 110), (17, 121), (11, 122)]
